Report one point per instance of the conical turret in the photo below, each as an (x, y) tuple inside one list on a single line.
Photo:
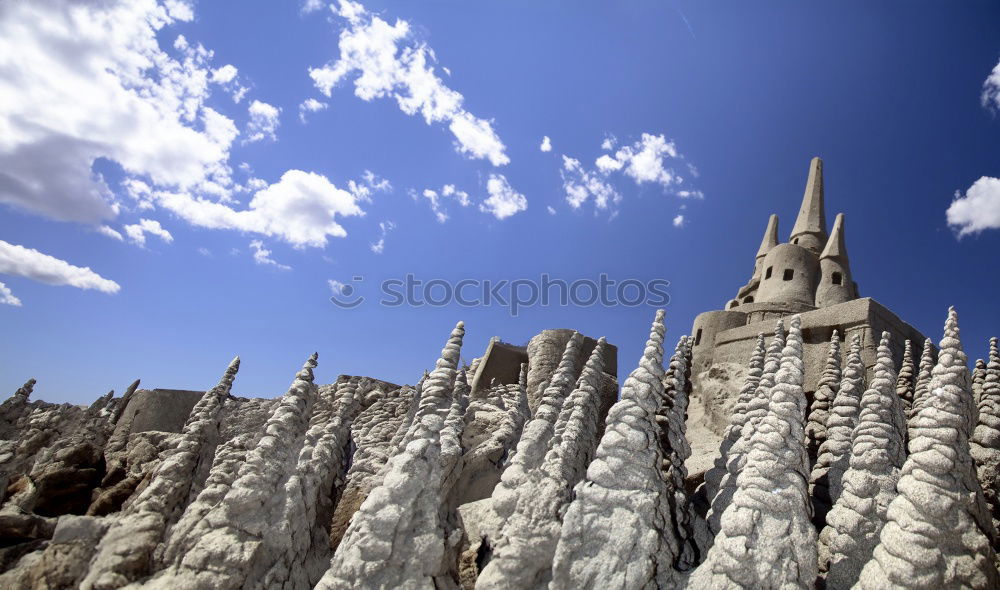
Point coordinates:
[(770, 241), (836, 284), (810, 226), (835, 246)]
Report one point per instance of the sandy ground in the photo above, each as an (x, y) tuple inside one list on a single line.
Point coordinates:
[(704, 443)]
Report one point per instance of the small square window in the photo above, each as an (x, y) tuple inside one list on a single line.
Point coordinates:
[(789, 273), (767, 275), (837, 278)]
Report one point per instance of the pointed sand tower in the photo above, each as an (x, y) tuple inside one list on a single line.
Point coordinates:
[(809, 230), (836, 284)]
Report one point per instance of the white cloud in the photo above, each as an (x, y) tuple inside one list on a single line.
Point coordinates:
[(93, 82), (239, 93), (300, 209), (137, 232), (255, 184), (551, 210), (371, 183), (991, 89), (310, 105), (386, 62), (352, 11), (32, 264), (179, 10), (476, 138), (432, 196), (503, 200), (264, 121), (462, 197), (140, 192), (311, 6), (978, 209), (436, 200), (607, 164), (336, 287), (384, 227), (582, 185), (262, 256), (643, 161), (205, 252), (376, 182), (546, 144), (227, 77), (110, 232), (225, 74), (8, 298), (679, 221)]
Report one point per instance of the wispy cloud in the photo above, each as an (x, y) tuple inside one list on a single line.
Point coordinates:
[(264, 121), (650, 160), (137, 232), (32, 264), (990, 96), (437, 198), (311, 105), (8, 298), (370, 184), (386, 61), (643, 161), (582, 185), (311, 6), (384, 228), (227, 77), (110, 232), (262, 256), (686, 22)]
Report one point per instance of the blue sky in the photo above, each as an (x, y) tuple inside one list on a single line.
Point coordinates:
[(214, 205)]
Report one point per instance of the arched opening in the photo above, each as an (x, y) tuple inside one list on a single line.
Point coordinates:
[(789, 273), (767, 275), (837, 278), (733, 303), (748, 299), (795, 241)]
